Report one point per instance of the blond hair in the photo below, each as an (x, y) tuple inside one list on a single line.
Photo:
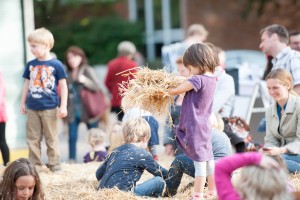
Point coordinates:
[(96, 136), (136, 130), (41, 36), (256, 182), (284, 78), (115, 139)]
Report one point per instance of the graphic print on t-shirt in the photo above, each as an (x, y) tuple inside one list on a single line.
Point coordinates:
[(41, 80)]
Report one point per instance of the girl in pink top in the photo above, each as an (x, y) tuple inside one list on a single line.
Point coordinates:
[(3, 118), (262, 178)]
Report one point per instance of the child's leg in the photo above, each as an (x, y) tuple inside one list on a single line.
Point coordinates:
[(153, 151), (200, 179), (3, 145), (211, 177), (49, 120), (73, 136), (150, 188), (154, 139), (34, 132), (180, 165)]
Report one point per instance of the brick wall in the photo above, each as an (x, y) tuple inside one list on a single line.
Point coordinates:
[(229, 30)]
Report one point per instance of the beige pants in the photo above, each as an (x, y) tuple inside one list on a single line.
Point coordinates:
[(42, 123)]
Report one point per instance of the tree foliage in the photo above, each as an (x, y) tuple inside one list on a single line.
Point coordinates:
[(99, 38), (92, 25)]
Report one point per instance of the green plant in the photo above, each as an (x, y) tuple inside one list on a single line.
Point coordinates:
[(99, 38)]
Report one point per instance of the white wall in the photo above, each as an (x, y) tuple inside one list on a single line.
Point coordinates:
[(12, 64)]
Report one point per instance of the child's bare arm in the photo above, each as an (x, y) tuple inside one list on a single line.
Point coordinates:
[(182, 88), (24, 95), (62, 112)]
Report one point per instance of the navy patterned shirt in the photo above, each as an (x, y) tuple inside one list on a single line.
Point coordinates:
[(125, 166)]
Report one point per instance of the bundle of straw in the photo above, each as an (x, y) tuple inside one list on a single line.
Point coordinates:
[(148, 90)]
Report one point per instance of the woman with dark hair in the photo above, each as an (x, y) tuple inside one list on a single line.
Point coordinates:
[(80, 75)]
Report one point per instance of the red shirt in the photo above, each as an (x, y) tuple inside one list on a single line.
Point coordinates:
[(112, 81)]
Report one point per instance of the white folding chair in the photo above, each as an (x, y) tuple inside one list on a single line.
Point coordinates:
[(244, 105)]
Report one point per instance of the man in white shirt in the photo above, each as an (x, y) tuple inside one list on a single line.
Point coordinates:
[(274, 42)]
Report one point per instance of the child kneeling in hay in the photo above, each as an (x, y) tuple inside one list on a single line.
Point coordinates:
[(136, 112), (126, 164), (96, 140)]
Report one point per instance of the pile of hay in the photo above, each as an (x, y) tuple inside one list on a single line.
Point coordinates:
[(149, 91), (78, 181)]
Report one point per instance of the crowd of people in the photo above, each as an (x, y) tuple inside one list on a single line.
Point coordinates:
[(203, 141)]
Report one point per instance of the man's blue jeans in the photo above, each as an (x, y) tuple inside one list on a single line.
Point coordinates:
[(181, 164), (150, 188), (73, 136), (292, 161)]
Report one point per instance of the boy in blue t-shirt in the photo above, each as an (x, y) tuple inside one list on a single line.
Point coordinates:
[(40, 98)]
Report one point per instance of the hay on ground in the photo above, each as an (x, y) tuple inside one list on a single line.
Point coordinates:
[(78, 181), (149, 91)]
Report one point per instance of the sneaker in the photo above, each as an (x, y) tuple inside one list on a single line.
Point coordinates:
[(41, 168), (169, 192), (54, 168), (155, 157)]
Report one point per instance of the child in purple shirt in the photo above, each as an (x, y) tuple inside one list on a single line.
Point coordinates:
[(96, 140), (193, 133)]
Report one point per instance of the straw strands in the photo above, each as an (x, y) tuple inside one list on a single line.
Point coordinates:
[(148, 90), (78, 181)]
